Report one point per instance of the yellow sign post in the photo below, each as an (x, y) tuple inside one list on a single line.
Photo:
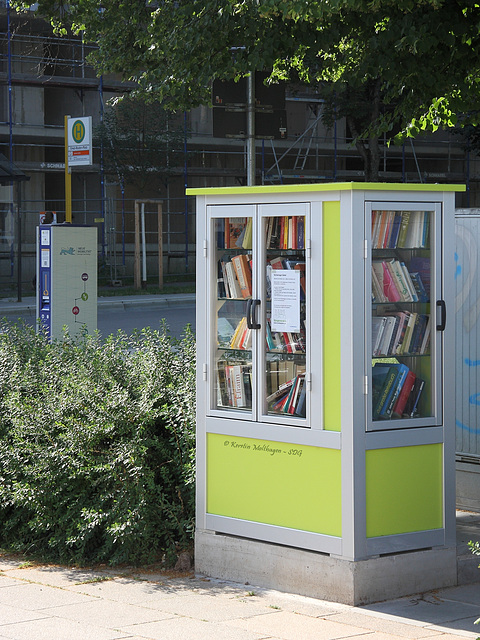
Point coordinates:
[(68, 179)]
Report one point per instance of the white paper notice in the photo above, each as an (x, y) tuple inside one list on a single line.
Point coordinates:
[(45, 236), (285, 300), (45, 256)]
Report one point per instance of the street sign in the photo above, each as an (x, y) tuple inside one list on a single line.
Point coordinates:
[(79, 138)]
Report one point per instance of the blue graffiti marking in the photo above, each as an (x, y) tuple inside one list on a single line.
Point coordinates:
[(474, 399), (472, 363), (458, 268), (460, 425)]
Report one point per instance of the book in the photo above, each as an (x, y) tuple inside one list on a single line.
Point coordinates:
[(220, 232), (247, 238), (377, 288), (233, 285), (225, 277), (408, 333), (244, 274), (424, 347), (280, 391), (411, 406), (386, 335), (277, 263), (282, 233), (221, 291), (395, 230), (233, 230), (421, 265), (235, 340), (404, 224), (222, 386), (380, 231), (275, 234), (383, 378), (387, 408), (411, 237), (378, 325), (389, 286), (395, 269), (404, 394), (268, 232), (301, 405), (418, 333), (400, 333), (419, 287), (409, 283), (238, 386), (390, 216), (301, 232), (269, 337)]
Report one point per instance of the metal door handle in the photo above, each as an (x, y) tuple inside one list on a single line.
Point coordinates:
[(443, 315), (252, 314)]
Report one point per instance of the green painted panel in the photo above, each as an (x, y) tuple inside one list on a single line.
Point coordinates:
[(404, 488), (332, 397), (292, 486)]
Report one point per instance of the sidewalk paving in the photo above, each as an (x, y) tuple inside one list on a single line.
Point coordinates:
[(58, 603)]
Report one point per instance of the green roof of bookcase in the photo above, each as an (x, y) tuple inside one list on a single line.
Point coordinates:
[(325, 186)]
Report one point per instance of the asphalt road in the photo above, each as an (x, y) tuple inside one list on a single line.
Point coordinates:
[(112, 317), (110, 320)]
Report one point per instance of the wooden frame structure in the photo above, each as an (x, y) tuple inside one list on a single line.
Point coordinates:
[(137, 272)]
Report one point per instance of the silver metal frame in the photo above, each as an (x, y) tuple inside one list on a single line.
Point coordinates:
[(354, 439)]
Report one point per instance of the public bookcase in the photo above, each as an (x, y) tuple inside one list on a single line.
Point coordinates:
[(325, 388)]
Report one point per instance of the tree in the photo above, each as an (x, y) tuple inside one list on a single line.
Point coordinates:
[(420, 58), (141, 143)]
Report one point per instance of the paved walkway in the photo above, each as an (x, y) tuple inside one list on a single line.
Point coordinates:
[(55, 603)]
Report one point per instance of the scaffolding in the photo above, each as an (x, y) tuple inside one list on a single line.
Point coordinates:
[(52, 74)]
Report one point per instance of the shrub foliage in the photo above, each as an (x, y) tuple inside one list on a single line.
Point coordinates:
[(97, 445)]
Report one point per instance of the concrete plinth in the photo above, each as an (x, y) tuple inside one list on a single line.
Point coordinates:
[(468, 486), (322, 576)]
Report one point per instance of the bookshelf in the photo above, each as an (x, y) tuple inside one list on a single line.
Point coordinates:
[(405, 278), (325, 414)]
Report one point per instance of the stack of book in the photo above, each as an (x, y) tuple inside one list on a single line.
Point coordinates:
[(242, 336), (285, 232), (396, 391), (234, 385), (400, 229), (286, 341), (234, 279), (393, 282), (290, 397), (234, 233), (400, 333)]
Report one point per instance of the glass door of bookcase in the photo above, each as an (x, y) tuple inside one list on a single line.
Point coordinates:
[(284, 351), (406, 315), (233, 341), (258, 315)]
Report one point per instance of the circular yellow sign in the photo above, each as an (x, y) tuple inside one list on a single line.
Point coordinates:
[(78, 131)]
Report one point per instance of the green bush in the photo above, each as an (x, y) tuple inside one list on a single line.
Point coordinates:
[(97, 445), (475, 549)]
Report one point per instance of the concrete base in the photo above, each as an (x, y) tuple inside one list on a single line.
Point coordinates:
[(322, 576), (468, 486)]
